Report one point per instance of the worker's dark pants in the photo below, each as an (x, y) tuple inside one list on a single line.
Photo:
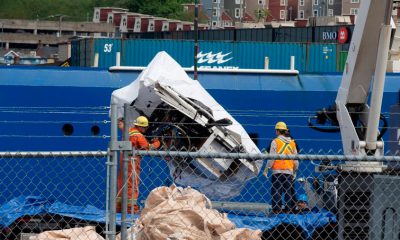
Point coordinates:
[(282, 185)]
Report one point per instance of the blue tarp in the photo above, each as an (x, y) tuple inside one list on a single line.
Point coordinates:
[(33, 205), (308, 222)]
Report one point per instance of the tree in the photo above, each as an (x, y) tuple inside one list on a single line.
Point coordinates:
[(80, 10), (261, 14), (159, 8)]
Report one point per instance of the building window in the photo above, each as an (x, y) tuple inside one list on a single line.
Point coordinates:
[(185, 8), (124, 22), (330, 2), (283, 2), (330, 12), (353, 11), (110, 19), (237, 12), (151, 27), (215, 1), (355, 1), (315, 13), (214, 23), (260, 2), (301, 2), (238, 1), (301, 14), (282, 14), (315, 2), (214, 12)]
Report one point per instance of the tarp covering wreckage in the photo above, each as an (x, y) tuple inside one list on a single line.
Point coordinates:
[(308, 223), (165, 94)]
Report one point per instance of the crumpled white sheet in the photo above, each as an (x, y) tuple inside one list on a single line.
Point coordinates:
[(185, 214), (87, 233)]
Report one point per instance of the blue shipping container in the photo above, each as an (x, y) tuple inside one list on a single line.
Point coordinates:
[(217, 54), (107, 50), (309, 57), (84, 50), (322, 58)]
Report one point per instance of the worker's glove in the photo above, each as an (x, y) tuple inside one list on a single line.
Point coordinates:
[(265, 173), (155, 143)]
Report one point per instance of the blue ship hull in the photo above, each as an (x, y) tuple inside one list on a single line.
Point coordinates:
[(36, 103)]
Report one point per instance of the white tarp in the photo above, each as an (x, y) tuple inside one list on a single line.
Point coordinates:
[(165, 71), (184, 213)]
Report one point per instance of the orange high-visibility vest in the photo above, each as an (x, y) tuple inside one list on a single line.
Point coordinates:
[(284, 148)]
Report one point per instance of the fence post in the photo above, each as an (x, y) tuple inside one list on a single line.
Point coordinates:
[(125, 164), (113, 173)]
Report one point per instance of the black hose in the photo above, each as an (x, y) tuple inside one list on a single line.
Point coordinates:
[(335, 130), (326, 130)]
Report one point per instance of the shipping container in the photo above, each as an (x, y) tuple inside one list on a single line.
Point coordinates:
[(318, 34), (331, 34), (107, 50), (81, 52), (309, 57), (217, 54), (253, 35), (216, 35), (301, 34), (342, 61), (321, 58)]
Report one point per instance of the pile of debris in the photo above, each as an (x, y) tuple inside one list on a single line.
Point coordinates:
[(170, 213)]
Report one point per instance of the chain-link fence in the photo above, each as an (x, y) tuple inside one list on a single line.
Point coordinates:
[(42, 191), (328, 197)]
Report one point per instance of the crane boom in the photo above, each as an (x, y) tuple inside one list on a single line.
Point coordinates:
[(366, 64)]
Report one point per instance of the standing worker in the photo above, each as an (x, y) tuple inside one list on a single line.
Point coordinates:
[(139, 142), (283, 170)]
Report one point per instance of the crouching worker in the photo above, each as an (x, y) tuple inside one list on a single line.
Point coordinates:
[(302, 205), (139, 142)]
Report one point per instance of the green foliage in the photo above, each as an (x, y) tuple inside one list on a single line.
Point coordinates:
[(160, 8), (261, 14), (82, 10), (42, 9)]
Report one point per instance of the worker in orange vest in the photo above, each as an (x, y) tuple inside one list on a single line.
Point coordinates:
[(283, 170), (139, 142)]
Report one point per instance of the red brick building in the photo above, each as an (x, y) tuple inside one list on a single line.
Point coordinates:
[(282, 10)]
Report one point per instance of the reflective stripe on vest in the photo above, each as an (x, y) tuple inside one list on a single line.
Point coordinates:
[(133, 131), (284, 148)]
